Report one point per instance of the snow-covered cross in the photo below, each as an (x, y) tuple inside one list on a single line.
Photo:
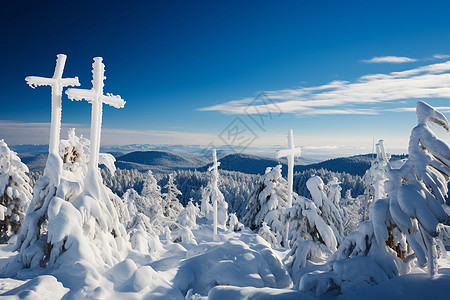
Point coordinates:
[(96, 98), (57, 83), (290, 154), (215, 178)]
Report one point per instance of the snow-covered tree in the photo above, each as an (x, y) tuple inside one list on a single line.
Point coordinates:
[(334, 191), (268, 235), (402, 227), (188, 216), (234, 224), (408, 219), (267, 203), (171, 205), (374, 179), (332, 215), (15, 192), (151, 189)]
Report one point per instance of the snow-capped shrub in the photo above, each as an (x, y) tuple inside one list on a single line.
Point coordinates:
[(267, 203), (15, 192)]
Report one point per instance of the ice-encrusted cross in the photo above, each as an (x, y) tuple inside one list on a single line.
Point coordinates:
[(57, 83), (96, 98)]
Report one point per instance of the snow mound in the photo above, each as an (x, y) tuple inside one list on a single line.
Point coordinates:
[(41, 287)]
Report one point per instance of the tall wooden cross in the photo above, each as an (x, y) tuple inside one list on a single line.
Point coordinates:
[(290, 154), (57, 83), (215, 179), (96, 98)]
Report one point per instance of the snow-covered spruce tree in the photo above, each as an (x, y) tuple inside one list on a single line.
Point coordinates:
[(150, 188), (268, 235), (267, 203), (374, 179), (407, 221), (188, 216), (332, 215), (15, 192), (171, 205), (334, 191), (311, 237)]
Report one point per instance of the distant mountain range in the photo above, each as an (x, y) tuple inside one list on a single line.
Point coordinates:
[(164, 161)]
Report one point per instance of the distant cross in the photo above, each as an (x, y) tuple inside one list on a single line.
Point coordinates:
[(290, 154), (96, 98), (57, 83), (215, 178)]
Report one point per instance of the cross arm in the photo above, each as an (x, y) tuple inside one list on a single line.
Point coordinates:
[(113, 100), (34, 81), (288, 152), (213, 166), (80, 94)]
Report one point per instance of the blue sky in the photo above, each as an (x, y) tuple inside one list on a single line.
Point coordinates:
[(188, 69)]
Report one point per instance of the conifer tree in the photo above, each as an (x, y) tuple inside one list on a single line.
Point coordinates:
[(15, 192)]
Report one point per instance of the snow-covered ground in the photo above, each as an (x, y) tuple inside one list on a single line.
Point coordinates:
[(238, 265)]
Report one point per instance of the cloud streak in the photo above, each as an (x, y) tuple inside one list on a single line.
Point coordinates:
[(389, 59), (362, 96)]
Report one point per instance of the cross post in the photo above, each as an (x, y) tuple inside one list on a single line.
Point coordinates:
[(215, 178), (290, 154)]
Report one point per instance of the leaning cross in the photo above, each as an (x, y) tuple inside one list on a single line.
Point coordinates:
[(290, 154), (96, 98), (57, 83), (215, 178)]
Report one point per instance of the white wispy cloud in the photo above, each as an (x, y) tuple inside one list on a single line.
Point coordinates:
[(443, 109), (344, 97), (389, 59), (441, 56)]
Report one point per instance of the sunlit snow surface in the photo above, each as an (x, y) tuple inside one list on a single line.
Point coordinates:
[(239, 265)]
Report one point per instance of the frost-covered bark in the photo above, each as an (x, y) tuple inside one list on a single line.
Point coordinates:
[(268, 202), (15, 192)]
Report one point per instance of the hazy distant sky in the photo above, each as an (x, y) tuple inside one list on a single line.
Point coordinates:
[(341, 72)]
